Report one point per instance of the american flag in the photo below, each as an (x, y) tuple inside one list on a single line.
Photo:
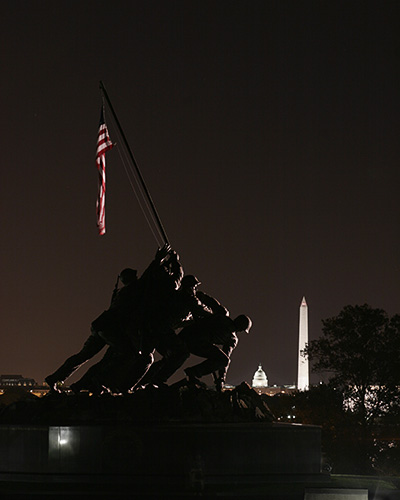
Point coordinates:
[(103, 144)]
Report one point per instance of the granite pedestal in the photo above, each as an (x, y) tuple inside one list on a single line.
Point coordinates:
[(153, 457)]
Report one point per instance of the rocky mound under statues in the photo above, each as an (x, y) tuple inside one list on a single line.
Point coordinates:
[(187, 403)]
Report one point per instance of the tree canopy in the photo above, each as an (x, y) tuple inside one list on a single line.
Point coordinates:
[(360, 350)]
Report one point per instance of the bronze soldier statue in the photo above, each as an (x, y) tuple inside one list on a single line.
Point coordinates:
[(107, 329), (213, 338), (124, 364)]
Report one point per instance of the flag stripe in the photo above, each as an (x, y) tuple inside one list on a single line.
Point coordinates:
[(103, 144)]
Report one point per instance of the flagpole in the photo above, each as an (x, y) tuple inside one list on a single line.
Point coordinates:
[(139, 174)]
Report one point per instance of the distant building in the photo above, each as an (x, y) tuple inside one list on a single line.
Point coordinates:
[(16, 381), (29, 384), (260, 379), (260, 384)]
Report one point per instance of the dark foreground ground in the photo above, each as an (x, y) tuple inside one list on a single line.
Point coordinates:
[(179, 405), (378, 489)]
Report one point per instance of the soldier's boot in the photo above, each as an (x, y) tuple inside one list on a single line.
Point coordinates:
[(191, 379), (52, 382), (219, 384)]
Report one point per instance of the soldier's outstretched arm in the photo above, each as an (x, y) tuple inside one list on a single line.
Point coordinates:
[(212, 303)]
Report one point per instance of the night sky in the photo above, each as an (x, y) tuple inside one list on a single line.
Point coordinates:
[(267, 133)]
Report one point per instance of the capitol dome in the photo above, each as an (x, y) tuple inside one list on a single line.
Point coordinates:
[(260, 378)]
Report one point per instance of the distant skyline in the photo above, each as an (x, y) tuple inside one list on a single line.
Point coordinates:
[(301, 381), (267, 133)]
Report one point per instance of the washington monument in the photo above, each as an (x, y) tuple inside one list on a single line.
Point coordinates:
[(302, 368)]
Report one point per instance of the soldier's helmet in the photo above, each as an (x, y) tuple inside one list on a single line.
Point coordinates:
[(128, 275), (189, 281), (242, 323)]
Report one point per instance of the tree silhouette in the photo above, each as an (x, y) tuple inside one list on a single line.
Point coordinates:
[(360, 350)]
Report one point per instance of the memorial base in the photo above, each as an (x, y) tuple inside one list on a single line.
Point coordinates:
[(162, 459)]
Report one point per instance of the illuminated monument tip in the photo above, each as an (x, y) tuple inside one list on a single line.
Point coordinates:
[(302, 368)]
